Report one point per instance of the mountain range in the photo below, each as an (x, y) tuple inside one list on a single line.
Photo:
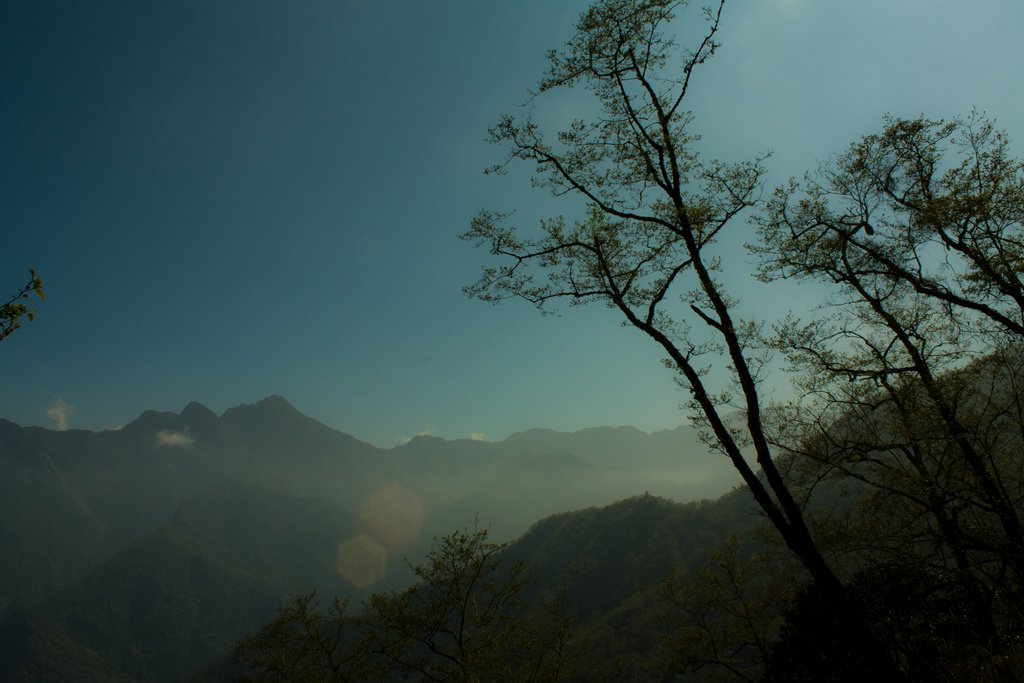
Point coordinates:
[(143, 553)]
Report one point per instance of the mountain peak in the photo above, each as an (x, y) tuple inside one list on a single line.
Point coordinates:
[(272, 405), (197, 411), (275, 401)]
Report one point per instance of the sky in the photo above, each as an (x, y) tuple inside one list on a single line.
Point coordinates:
[(231, 199)]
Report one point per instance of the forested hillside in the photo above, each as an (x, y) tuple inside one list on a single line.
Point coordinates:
[(176, 598), (584, 588)]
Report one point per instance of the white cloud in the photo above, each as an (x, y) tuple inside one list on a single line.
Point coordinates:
[(166, 437), (59, 411), (477, 436)]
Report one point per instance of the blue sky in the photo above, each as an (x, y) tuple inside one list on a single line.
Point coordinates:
[(227, 200)]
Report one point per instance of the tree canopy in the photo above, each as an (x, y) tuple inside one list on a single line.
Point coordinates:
[(469, 618)]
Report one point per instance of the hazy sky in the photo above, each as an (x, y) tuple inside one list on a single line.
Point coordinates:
[(227, 200)]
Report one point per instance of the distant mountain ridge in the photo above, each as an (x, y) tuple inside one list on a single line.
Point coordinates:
[(70, 499), (176, 505)]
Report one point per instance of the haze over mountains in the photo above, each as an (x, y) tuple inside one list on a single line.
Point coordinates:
[(217, 518)]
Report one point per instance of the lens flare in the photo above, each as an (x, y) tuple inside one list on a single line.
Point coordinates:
[(393, 514), (362, 561)]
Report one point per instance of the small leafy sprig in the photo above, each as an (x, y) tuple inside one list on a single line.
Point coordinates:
[(12, 311)]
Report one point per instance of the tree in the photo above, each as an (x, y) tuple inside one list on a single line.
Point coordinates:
[(304, 645), (918, 232), (467, 620), (725, 616), (932, 621), (470, 618), (12, 311), (646, 245)]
